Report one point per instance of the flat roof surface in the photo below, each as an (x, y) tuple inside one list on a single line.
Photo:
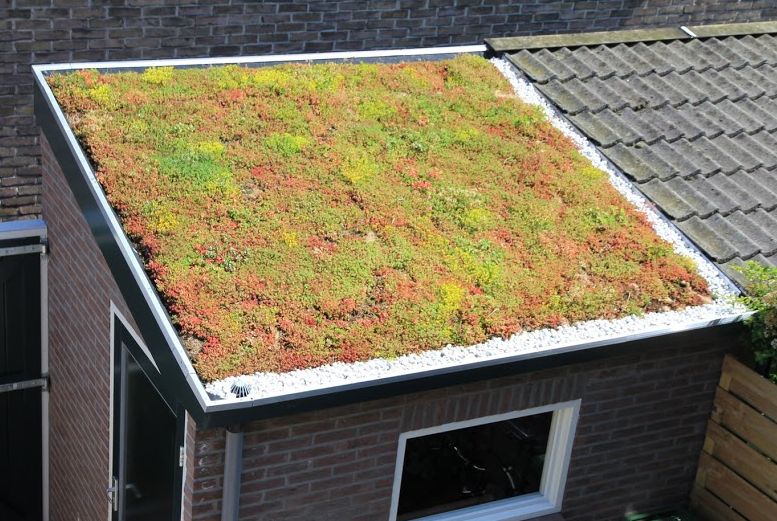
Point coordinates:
[(690, 120), (293, 216)]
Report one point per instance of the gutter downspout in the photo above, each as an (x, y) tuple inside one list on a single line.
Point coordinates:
[(44, 371), (233, 466)]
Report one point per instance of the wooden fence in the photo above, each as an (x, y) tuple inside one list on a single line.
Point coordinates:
[(737, 477)]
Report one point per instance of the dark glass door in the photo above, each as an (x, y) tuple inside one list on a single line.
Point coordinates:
[(148, 459), (20, 389)]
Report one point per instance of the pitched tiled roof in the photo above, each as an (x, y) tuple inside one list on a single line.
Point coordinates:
[(693, 121)]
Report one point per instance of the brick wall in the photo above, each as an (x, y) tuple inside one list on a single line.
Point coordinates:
[(43, 31), (80, 291), (640, 432), (188, 475)]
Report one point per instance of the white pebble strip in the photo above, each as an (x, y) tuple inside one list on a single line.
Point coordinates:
[(266, 385)]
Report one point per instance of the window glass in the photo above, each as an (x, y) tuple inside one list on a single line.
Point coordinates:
[(473, 465)]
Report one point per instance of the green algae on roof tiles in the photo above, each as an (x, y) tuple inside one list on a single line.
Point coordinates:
[(296, 215)]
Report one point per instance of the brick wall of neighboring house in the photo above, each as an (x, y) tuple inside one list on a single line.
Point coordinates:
[(43, 31), (80, 291), (640, 432)]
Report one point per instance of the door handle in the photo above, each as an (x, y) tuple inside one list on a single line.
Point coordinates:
[(134, 489)]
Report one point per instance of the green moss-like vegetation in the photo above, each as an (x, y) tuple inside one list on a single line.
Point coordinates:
[(297, 215), (761, 297)]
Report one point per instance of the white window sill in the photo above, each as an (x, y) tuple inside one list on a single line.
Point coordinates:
[(530, 506)]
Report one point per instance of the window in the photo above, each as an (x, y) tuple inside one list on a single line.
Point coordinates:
[(506, 467)]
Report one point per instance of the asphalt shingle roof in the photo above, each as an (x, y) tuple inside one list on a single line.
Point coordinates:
[(692, 121)]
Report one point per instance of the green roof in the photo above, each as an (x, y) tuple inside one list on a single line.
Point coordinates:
[(296, 215)]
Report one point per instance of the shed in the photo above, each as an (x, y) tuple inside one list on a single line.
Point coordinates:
[(587, 401)]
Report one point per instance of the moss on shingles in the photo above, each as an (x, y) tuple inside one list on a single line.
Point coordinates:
[(297, 215)]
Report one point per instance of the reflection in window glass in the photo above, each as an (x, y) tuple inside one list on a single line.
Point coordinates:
[(474, 465)]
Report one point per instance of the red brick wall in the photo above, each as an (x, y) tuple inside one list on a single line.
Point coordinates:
[(80, 291), (640, 431), (188, 477)]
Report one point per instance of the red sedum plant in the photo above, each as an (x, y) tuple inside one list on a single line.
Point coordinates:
[(296, 215)]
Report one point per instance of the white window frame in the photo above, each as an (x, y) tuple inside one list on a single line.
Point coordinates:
[(554, 473)]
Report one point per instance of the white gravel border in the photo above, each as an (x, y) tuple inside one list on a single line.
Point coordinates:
[(266, 385)]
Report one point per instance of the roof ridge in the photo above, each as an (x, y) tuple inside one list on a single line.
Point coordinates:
[(508, 44)]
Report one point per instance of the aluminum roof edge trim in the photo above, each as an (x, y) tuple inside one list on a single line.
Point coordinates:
[(324, 393), (517, 43), (276, 58), (23, 229), (127, 251)]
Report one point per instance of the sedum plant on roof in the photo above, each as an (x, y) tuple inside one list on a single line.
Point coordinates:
[(296, 215)]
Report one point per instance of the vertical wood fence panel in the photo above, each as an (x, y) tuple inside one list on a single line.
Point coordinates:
[(737, 476)]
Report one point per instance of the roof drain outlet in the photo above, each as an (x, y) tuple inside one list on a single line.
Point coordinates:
[(233, 466), (240, 389)]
